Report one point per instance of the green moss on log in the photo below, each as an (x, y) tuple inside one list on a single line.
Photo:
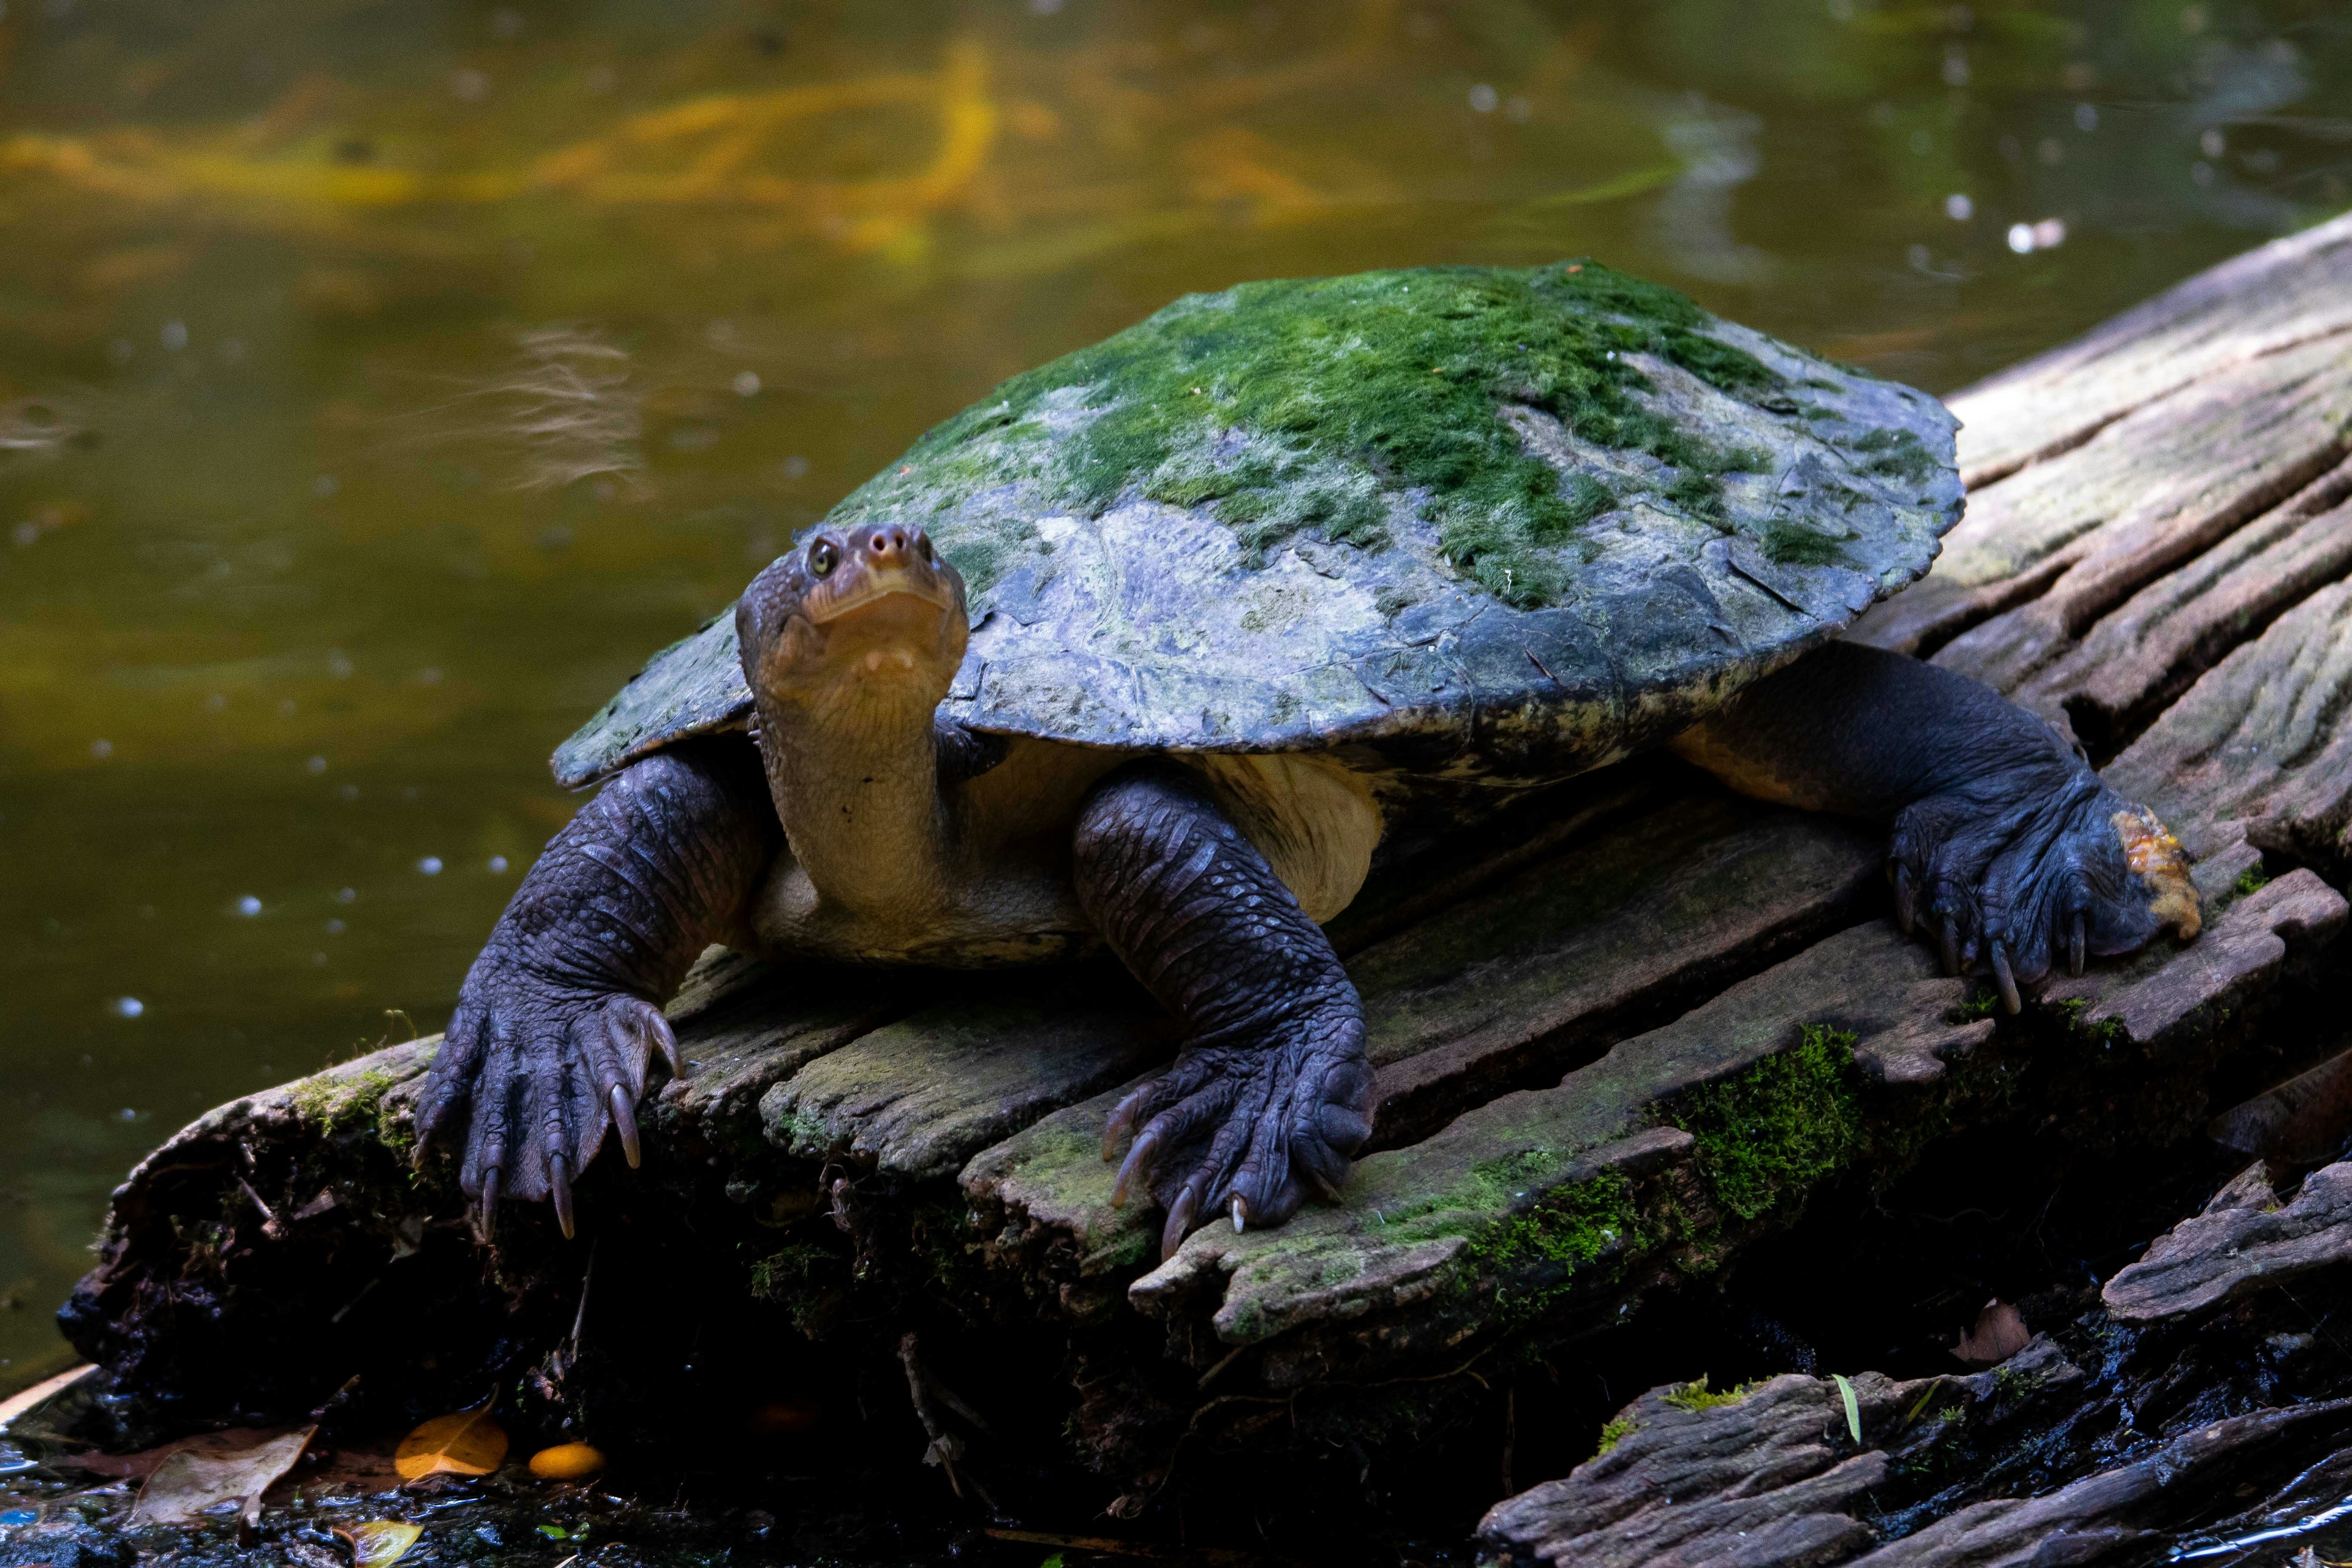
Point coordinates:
[(338, 1105), (1697, 1395), (1773, 1133)]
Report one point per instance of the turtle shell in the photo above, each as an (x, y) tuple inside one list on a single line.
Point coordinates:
[(1478, 520)]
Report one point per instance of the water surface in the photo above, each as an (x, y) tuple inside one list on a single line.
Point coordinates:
[(380, 383)]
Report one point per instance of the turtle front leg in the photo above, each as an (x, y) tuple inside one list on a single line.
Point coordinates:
[(557, 1019), (2006, 844), (1272, 1094)]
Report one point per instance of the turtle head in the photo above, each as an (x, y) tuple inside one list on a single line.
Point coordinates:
[(872, 610)]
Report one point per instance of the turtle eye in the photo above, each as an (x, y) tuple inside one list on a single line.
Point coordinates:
[(923, 545), (823, 558)]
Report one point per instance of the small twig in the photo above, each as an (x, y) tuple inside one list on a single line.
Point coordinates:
[(266, 1211), (1511, 1436), (948, 1397), (587, 1277), (945, 1446), (343, 1310), (1210, 1376)]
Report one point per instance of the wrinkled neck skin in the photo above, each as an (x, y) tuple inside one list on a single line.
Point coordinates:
[(854, 768)]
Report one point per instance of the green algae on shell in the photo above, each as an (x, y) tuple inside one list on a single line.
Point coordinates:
[(1308, 403), (1520, 520)]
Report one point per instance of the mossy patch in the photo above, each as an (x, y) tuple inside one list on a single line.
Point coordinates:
[(1616, 1432), (1522, 1255), (1983, 1004), (336, 1105), (2074, 1012), (1697, 1395), (798, 1278), (1771, 1133), (2253, 879), (1320, 405)]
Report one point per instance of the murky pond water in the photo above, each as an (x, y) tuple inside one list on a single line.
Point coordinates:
[(380, 383)]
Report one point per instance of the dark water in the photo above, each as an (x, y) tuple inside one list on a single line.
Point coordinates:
[(379, 383)]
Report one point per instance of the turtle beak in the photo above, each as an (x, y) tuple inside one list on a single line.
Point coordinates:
[(884, 561)]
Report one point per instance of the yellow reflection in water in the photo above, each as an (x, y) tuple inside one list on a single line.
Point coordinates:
[(1052, 155)]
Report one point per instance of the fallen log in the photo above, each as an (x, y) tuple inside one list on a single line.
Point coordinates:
[(1623, 1036)]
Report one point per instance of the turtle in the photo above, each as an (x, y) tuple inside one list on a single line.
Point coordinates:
[(1151, 650)]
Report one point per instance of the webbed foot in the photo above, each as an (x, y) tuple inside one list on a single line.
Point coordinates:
[(2016, 873), (1246, 1130), (543, 1069)]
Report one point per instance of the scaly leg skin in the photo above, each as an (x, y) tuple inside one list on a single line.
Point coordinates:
[(2014, 852), (559, 1017), (1272, 1094)]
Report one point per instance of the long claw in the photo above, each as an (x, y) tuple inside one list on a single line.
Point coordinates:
[(666, 1040), (1948, 942), (1139, 1163), (2005, 978), (1241, 1213), (1906, 900), (1180, 1220), (559, 1188), (624, 1121), (1121, 1121), (2074, 947), (490, 1203)]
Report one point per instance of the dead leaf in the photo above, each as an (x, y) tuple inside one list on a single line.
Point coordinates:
[(197, 1478), (326, 1473), (138, 1467), (467, 1442), (380, 1542), (2000, 1333)]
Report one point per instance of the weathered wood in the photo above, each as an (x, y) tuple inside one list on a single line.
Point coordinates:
[(2257, 755), (1411, 1227), (915, 1100), (2154, 490), (2245, 1240), (2180, 1001), (2142, 655), (1696, 1480), (1772, 1476), (2293, 292), (2099, 466)]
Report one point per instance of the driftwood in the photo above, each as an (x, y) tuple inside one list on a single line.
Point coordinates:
[(1622, 1036), (2193, 1426)]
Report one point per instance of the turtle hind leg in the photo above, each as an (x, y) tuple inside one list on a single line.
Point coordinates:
[(1271, 1094), (2007, 851)]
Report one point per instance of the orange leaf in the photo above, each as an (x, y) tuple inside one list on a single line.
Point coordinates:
[(466, 1444), (566, 1462)]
